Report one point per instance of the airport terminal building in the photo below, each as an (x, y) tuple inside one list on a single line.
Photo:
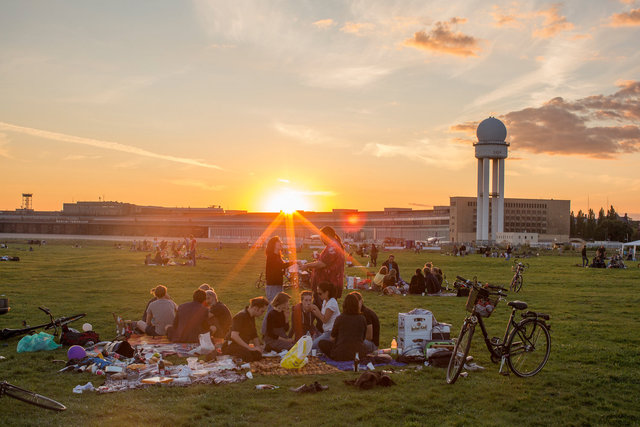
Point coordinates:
[(548, 219)]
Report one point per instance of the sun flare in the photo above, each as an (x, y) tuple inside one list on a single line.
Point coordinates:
[(287, 201)]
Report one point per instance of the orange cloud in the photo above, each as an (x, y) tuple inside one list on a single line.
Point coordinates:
[(443, 40), (507, 18), (553, 23), (356, 28), (598, 126), (626, 19), (324, 23)]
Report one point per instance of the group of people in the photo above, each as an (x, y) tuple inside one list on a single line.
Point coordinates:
[(165, 253), (427, 280)]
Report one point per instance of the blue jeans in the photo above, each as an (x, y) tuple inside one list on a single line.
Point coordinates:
[(271, 292), (324, 336)]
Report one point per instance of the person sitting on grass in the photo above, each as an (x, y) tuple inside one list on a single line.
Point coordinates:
[(302, 317), (191, 320), (417, 285), (431, 281), (372, 338), (348, 332), (219, 318), (329, 311), (277, 327), (159, 314), (390, 279), (242, 340), (378, 279)]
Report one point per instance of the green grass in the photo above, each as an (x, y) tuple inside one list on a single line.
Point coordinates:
[(592, 376)]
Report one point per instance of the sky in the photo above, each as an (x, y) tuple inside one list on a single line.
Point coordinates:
[(317, 104)]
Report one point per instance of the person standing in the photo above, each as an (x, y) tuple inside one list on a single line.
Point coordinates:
[(585, 259), (330, 265), (374, 255), (274, 271)]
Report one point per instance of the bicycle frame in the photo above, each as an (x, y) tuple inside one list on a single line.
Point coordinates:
[(495, 349)]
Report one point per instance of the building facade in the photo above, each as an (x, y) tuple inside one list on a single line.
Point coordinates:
[(548, 218)]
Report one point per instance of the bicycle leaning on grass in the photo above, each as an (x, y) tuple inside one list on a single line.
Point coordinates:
[(525, 346), (517, 280), (55, 324), (27, 396)]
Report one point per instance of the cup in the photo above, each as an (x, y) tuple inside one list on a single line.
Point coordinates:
[(192, 362)]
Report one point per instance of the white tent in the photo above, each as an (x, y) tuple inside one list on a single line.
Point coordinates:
[(631, 245)]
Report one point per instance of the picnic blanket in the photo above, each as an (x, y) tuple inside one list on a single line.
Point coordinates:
[(271, 366), (348, 365), (161, 345)]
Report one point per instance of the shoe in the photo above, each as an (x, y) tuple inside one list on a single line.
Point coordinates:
[(320, 387), (304, 388)]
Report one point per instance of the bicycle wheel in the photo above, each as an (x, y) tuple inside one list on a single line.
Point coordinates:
[(32, 398), (528, 348), (517, 284), (460, 352)]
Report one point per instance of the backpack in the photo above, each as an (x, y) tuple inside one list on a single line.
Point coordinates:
[(71, 337)]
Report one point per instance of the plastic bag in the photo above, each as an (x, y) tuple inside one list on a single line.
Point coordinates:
[(296, 358), (37, 342), (206, 346)]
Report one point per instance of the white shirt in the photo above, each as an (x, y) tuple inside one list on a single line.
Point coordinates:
[(333, 305)]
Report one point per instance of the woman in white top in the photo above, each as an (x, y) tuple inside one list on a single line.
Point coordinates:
[(329, 312)]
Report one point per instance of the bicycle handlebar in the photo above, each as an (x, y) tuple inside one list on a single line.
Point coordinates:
[(499, 289)]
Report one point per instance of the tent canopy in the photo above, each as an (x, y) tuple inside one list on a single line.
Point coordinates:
[(636, 243)]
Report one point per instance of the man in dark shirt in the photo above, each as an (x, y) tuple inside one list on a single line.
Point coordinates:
[(302, 317), (243, 332), (219, 317), (372, 339), (191, 320), (391, 263)]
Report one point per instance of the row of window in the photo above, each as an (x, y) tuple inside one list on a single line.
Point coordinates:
[(515, 205)]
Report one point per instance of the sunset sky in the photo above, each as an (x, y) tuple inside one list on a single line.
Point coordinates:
[(338, 104)]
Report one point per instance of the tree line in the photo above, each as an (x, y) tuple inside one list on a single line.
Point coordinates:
[(606, 226)]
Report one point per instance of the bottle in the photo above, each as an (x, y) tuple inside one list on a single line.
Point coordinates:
[(394, 348), (161, 367), (356, 362)]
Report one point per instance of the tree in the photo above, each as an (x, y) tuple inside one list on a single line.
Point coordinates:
[(572, 225), (591, 225), (612, 214), (601, 216), (580, 224)]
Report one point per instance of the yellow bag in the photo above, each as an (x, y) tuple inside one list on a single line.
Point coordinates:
[(296, 358)]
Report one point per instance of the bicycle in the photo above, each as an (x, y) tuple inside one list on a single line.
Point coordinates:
[(30, 397), (525, 346), (517, 280), (56, 324)]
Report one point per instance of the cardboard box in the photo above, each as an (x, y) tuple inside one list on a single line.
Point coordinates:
[(442, 331), (415, 340)]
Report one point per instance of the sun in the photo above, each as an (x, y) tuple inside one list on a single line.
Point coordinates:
[(287, 201)]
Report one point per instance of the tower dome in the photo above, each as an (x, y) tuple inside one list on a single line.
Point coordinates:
[(491, 130)]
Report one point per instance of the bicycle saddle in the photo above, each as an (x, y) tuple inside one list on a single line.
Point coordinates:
[(518, 305)]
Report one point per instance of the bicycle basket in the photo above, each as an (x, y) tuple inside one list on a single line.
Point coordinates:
[(482, 301)]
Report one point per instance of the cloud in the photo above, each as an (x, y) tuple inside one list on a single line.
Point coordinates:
[(598, 126), (286, 181), (442, 39), (357, 28), (197, 184), (553, 23), (4, 142), (317, 193), (81, 157), (448, 155), (324, 24), (304, 134), (108, 145), (421, 205), (626, 19), (507, 18), (346, 77)]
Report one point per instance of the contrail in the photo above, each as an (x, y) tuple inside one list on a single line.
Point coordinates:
[(102, 144)]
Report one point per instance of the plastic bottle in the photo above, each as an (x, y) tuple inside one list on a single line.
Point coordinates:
[(356, 362), (394, 347), (161, 371)]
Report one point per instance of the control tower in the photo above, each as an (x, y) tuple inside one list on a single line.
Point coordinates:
[(491, 145)]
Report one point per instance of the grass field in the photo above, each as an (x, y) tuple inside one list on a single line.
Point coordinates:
[(592, 377)]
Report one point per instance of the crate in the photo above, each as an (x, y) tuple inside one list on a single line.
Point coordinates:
[(479, 300), (406, 343), (411, 326), (442, 331)]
